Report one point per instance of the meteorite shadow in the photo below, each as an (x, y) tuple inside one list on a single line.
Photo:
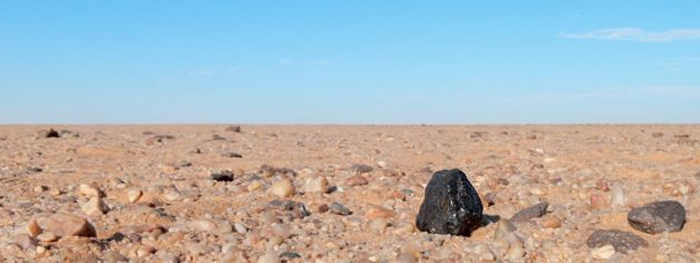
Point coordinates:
[(489, 219)]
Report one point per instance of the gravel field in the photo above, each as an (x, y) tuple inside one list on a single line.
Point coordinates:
[(326, 194)]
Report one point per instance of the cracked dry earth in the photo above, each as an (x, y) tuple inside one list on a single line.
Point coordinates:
[(267, 194)]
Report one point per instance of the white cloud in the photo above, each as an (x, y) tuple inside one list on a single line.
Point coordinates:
[(637, 34)]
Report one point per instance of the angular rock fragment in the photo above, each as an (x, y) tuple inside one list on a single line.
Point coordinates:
[(622, 241), (658, 217), (339, 209), (531, 212), (282, 189), (95, 206), (66, 225), (451, 205), (223, 176), (315, 185), (133, 195)]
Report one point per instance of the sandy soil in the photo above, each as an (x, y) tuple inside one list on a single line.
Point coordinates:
[(177, 213)]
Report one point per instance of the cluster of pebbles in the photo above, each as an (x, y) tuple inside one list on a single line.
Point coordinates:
[(317, 194)]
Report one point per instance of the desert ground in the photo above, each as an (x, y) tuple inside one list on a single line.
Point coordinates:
[(324, 194)]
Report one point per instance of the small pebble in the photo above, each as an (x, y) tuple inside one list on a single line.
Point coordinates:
[(551, 221), (90, 191), (315, 185), (282, 189), (604, 252), (531, 212), (357, 180), (339, 209), (95, 207), (133, 195)]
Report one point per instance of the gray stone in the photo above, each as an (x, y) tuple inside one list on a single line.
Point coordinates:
[(531, 212), (339, 209), (622, 241), (658, 217), (451, 205)]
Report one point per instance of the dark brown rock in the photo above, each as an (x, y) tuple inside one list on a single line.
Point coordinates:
[(50, 133), (622, 241), (451, 205), (658, 217)]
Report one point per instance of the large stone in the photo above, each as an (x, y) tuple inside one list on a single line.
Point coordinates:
[(622, 241), (66, 225), (658, 217), (451, 205)]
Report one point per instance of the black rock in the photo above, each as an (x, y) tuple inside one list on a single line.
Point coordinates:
[(451, 205), (51, 133), (531, 212), (224, 176), (339, 209), (658, 217), (622, 241)]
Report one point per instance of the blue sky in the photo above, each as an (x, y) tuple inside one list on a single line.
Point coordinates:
[(298, 61)]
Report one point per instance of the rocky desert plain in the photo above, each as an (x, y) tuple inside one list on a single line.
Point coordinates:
[(334, 193)]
